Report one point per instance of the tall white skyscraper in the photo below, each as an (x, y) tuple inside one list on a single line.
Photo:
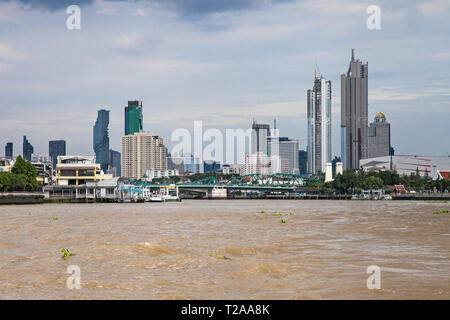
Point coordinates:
[(319, 125)]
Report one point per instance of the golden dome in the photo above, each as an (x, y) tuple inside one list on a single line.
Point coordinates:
[(380, 115)]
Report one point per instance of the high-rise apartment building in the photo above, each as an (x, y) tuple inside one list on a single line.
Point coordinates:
[(354, 112), (133, 117), (28, 149), (9, 152), (302, 161), (319, 125), (101, 139), (142, 151), (260, 133), (379, 137), (56, 148)]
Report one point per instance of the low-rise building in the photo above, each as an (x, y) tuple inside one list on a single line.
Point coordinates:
[(433, 167), (77, 170), (6, 164), (232, 169), (260, 163), (153, 174)]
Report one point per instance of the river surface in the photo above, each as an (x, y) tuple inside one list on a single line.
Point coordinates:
[(177, 250)]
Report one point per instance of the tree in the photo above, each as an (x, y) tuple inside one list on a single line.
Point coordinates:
[(26, 173)]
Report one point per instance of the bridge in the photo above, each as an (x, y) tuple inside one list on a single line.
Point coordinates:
[(273, 182)]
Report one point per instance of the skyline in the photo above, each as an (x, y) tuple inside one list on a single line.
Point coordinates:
[(231, 65)]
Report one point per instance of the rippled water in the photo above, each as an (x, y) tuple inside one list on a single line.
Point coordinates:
[(163, 250)]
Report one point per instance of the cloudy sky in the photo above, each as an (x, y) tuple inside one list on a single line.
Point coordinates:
[(220, 61)]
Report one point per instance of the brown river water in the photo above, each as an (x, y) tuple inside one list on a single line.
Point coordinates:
[(163, 250)]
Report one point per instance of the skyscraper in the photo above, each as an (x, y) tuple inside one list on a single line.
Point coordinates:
[(9, 150), (354, 110), (319, 125), (115, 163), (142, 151), (133, 117), (56, 148), (260, 133), (101, 139), (302, 161), (28, 149), (379, 137)]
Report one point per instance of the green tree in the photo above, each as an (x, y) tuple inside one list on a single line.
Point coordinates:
[(26, 174)]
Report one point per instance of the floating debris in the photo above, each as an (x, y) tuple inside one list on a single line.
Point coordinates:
[(283, 221), (66, 253), (53, 218), (441, 211), (217, 256)]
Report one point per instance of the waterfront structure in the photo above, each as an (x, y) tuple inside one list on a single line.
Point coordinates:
[(142, 151), (76, 170), (260, 133), (101, 139), (354, 112), (28, 149), (56, 148), (153, 174), (44, 171), (260, 163), (319, 125), (115, 163), (9, 153), (434, 167), (232, 169), (379, 137), (6, 164), (133, 117), (211, 166)]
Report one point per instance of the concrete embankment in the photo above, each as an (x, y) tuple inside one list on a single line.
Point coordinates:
[(21, 197)]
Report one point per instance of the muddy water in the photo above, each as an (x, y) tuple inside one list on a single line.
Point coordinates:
[(163, 250)]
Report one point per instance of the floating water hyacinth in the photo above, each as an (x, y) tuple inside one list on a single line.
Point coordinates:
[(53, 218), (441, 211), (283, 221), (217, 256), (66, 253)]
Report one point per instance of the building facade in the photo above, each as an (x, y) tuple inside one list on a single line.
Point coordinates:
[(433, 167), (319, 125), (56, 148), (354, 112), (379, 137), (302, 161), (140, 152), (101, 139), (115, 163), (9, 152), (211, 166), (28, 149), (184, 164), (260, 133), (232, 169), (133, 117), (260, 163), (77, 170)]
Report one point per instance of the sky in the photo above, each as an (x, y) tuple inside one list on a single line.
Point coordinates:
[(223, 62)]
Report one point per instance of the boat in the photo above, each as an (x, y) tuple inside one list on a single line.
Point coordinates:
[(156, 198)]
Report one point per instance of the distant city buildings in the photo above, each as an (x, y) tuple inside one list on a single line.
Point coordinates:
[(319, 125), (56, 148), (140, 152), (28, 149), (260, 133), (9, 152), (115, 163), (354, 113), (133, 117), (302, 161), (287, 149), (233, 169), (260, 163), (379, 137), (154, 174), (101, 139), (211, 166), (184, 164)]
